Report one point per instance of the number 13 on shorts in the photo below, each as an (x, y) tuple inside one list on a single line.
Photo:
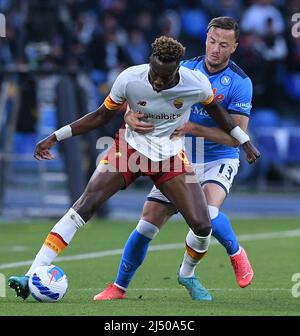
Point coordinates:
[(226, 171)]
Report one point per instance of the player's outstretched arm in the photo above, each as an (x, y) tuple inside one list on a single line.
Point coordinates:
[(83, 125), (225, 121), (221, 116), (210, 133)]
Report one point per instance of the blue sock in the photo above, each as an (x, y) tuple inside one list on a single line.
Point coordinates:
[(133, 255), (223, 232)]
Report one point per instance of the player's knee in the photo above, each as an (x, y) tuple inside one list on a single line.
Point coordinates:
[(150, 216), (203, 231), (156, 213), (201, 227), (87, 204)]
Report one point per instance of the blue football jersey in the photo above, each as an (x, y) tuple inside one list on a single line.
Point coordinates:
[(233, 90)]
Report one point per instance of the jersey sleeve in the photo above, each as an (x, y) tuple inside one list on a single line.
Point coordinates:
[(241, 98), (206, 94), (117, 95)]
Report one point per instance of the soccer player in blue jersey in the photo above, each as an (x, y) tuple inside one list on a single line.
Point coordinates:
[(233, 89)]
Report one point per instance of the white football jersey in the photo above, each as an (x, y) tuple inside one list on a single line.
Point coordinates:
[(166, 110)]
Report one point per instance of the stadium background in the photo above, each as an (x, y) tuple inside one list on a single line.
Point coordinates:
[(59, 59), (57, 62)]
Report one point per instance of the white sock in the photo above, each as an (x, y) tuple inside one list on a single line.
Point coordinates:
[(147, 229), (59, 238), (188, 266), (213, 212), (44, 257), (198, 245), (123, 288)]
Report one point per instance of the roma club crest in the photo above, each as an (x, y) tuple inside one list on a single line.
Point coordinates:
[(178, 103)]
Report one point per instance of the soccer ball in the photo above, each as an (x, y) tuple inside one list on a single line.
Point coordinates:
[(48, 283)]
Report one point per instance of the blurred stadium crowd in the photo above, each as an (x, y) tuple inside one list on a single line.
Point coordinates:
[(105, 36), (94, 40)]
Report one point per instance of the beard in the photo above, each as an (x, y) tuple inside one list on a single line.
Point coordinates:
[(217, 64), (214, 64)]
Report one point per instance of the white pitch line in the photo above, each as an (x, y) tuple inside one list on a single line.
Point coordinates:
[(162, 247), (182, 289), (13, 248)]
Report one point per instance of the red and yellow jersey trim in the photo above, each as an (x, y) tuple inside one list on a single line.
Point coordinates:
[(182, 156), (208, 100), (111, 105)]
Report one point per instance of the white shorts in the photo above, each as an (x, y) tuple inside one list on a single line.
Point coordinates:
[(220, 172)]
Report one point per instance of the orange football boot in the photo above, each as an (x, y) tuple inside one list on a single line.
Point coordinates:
[(242, 268), (111, 292)]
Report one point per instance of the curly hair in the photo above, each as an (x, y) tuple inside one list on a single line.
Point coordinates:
[(167, 49)]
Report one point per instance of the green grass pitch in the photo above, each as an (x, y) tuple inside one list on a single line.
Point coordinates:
[(272, 246)]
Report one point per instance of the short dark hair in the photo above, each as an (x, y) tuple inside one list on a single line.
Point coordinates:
[(225, 22), (167, 49)]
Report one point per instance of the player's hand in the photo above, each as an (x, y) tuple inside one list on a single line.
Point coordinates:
[(133, 120), (182, 130), (252, 153), (42, 149)]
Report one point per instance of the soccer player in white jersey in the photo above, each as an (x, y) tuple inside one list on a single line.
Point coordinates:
[(233, 89), (165, 90)]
